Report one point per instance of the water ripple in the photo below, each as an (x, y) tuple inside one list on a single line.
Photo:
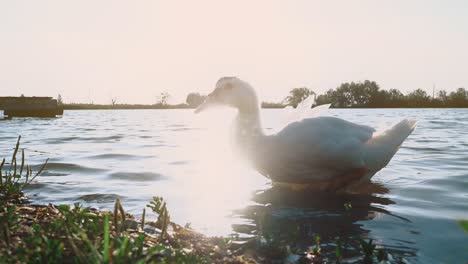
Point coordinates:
[(136, 176)]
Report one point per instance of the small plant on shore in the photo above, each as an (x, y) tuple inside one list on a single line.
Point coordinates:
[(8, 221), (17, 176), (339, 251), (158, 205), (368, 249), (463, 224)]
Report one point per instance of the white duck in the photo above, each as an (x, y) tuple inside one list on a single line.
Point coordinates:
[(323, 151)]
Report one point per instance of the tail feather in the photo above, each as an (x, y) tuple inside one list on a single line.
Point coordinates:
[(380, 149)]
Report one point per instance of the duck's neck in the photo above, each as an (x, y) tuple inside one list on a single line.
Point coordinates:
[(248, 127)]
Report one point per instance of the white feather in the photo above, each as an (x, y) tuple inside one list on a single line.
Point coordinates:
[(303, 110)]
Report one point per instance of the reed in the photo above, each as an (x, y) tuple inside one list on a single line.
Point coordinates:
[(17, 176), (158, 205)]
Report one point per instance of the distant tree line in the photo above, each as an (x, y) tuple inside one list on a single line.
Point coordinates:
[(367, 94)]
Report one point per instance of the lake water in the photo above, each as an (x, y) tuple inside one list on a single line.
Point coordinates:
[(96, 156)]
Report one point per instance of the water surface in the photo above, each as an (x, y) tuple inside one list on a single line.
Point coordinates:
[(98, 156)]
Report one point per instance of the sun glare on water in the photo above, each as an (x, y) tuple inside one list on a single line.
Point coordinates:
[(218, 180)]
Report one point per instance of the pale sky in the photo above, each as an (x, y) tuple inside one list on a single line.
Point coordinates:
[(134, 50)]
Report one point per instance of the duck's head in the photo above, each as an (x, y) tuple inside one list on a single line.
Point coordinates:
[(233, 92)]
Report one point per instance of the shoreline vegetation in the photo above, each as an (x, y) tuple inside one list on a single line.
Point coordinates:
[(367, 94), (31, 233)]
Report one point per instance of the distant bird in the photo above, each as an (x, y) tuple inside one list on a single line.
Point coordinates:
[(326, 152)]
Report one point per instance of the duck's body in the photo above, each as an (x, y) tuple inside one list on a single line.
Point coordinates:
[(314, 150)]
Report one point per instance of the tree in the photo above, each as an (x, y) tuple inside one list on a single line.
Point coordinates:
[(324, 98), (195, 99), (59, 99), (341, 97), (459, 98), (360, 94), (374, 96), (442, 95), (395, 98), (297, 95), (419, 98), (113, 101), (163, 98)]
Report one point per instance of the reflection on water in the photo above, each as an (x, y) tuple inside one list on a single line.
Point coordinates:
[(296, 218), (96, 156)]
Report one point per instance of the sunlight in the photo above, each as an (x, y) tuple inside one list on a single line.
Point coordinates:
[(220, 181)]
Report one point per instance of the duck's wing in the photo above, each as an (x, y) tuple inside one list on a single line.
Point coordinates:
[(303, 110), (323, 144), (314, 130)]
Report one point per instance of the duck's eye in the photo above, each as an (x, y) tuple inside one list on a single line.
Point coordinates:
[(228, 86)]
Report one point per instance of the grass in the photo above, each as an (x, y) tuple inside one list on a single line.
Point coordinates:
[(76, 234), (17, 176), (73, 234)]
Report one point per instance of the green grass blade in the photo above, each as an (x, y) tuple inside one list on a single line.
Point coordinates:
[(42, 168), (97, 256), (116, 216), (14, 171), (13, 158), (106, 238), (22, 162), (143, 219), (37, 174), (122, 212), (1, 169), (123, 248)]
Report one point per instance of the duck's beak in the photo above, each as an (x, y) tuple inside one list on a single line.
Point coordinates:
[(209, 102)]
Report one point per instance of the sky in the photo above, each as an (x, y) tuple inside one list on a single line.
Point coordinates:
[(93, 51)]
